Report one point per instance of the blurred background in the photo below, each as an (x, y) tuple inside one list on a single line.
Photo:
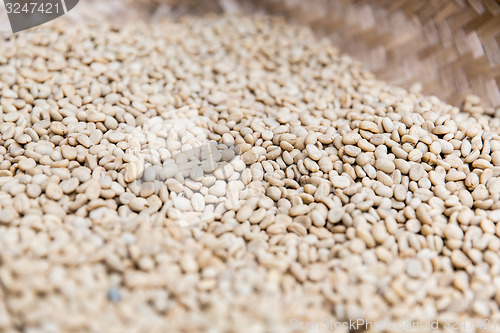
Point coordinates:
[(452, 47)]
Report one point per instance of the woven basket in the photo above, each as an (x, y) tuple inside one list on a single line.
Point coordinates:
[(452, 47)]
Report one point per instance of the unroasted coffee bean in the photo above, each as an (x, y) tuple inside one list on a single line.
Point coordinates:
[(181, 172)]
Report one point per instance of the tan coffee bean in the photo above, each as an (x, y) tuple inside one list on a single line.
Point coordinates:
[(385, 165), (313, 152), (53, 191), (27, 164), (416, 172), (138, 204), (68, 186)]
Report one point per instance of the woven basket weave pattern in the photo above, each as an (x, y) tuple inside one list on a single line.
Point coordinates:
[(452, 47)]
